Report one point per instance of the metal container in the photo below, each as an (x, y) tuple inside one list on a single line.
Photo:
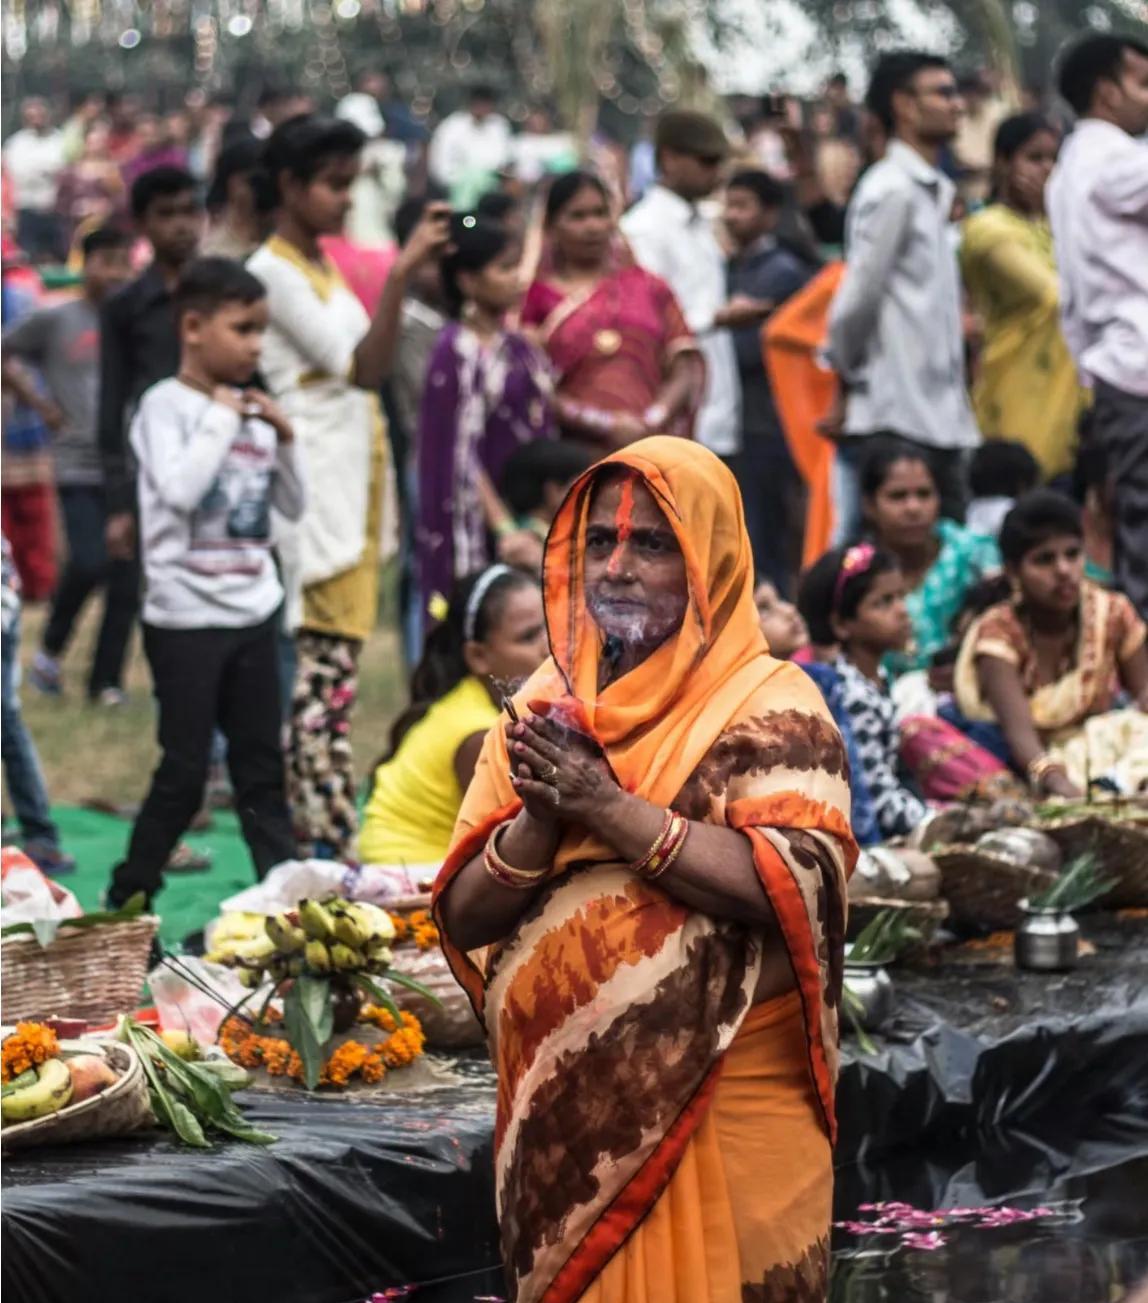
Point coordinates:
[(1047, 940), (873, 987)]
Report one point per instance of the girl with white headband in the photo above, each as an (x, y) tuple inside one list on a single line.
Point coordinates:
[(491, 638)]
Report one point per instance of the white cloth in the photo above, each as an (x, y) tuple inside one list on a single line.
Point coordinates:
[(462, 144), (208, 478), (895, 325), (34, 163), (670, 237), (986, 515), (533, 155), (316, 325), (1098, 207)]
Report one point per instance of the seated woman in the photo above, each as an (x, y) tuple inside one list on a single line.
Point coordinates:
[(855, 597), (493, 635), (654, 854), (1046, 665), (939, 559)]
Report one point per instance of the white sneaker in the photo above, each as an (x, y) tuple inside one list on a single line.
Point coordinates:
[(112, 698)]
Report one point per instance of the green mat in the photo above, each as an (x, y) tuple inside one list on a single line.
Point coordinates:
[(188, 900)]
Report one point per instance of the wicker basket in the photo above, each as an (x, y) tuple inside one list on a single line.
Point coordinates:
[(123, 1107), (93, 973), (1121, 848), (984, 890), (925, 915)]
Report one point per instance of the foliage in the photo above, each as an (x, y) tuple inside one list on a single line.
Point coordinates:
[(1078, 885), (887, 935)]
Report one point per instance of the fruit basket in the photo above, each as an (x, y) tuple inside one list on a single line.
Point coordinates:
[(121, 1108), (92, 973), (1116, 832), (986, 890)]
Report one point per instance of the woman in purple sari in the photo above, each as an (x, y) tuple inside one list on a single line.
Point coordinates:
[(487, 393)]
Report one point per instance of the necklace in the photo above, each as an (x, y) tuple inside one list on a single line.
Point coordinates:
[(192, 383)]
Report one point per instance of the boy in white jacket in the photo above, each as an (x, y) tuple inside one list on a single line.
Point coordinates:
[(214, 457)]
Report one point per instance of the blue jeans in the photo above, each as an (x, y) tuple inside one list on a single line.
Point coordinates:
[(21, 763)]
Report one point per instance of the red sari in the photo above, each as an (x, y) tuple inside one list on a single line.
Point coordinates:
[(613, 346)]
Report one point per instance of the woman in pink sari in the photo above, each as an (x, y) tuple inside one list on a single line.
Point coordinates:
[(626, 363)]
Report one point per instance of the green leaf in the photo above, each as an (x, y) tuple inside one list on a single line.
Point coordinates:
[(28, 1078), (377, 994), (301, 1036), (401, 979), (315, 1002), (45, 929), (187, 1125), (242, 1131)]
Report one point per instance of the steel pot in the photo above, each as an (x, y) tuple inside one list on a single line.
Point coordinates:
[(873, 987), (1046, 940)]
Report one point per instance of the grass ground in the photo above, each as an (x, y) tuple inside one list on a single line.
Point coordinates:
[(93, 754)]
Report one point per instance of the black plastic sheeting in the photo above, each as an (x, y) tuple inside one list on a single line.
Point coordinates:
[(353, 1197), (989, 1083), (981, 1057)]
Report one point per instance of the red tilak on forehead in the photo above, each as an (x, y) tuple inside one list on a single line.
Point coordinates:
[(624, 520)]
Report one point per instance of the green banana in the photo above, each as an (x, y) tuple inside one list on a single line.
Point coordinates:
[(318, 957), (317, 921), (347, 959), (287, 937), (376, 921), (295, 966), (50, 1092)]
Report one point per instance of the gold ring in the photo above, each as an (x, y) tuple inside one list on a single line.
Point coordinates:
[(550, 773)]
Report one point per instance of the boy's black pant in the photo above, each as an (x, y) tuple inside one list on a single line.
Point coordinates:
[(204, 677)]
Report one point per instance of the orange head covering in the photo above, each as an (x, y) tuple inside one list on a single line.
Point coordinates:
[(658, 720)]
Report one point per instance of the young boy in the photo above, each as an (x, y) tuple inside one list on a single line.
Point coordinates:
[(214, 457), (63, 344), (138, 340), (1001, 470)]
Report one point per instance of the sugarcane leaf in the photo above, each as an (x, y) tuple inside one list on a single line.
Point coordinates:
[(401, 979)]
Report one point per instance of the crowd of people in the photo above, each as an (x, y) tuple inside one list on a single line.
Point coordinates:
[(258, 394)]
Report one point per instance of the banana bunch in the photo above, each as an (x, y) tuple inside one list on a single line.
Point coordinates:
[(345, 936), (338, 936)]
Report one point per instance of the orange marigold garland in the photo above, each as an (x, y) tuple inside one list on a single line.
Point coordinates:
[(403, 1045), (418, 927), (30, 1044)]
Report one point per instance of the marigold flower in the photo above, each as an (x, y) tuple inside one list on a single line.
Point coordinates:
[(30, 1044)]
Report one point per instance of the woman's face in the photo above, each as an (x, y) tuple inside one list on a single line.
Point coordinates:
[(881, 621), (904, 510), (1051, 574), (96, 141), (515, 645), (583, 228), (635, 574), (322, 204), (780, 621), (498, 286), (1027, 172)]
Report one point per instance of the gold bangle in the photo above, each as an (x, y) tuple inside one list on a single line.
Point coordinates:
[(1039, 769), (504, 874)]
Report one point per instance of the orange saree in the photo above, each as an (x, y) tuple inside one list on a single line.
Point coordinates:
[(659, 1136)]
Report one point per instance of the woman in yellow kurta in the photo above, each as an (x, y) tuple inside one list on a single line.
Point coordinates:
[(491, 638), (653, 854), (1027, 388)]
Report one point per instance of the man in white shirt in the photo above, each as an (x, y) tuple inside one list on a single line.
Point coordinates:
[(895, 334), (469, 145), (34, 157), (671, 237), (1098, 207)]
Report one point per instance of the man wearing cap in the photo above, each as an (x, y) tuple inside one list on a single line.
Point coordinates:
[(670, 237)]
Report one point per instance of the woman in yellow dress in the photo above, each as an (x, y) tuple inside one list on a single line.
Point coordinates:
[(491, 639), (1027, 387)]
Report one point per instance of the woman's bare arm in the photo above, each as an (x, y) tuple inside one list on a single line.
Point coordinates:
[(1004, 692), (1134, 676)]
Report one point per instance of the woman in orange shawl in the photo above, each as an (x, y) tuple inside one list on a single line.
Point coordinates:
[(665, 1033)]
